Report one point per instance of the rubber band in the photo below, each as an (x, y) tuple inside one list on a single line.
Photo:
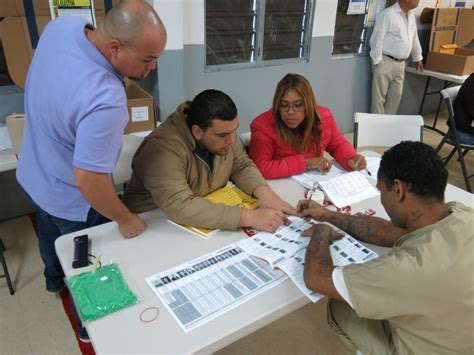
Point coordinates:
[(151, 319)]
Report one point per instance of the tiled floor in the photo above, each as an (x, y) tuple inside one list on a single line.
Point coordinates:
[(33, 321)]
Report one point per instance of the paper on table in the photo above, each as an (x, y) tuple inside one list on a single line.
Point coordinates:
[(308, 178), (373, 164), (347, 189), (198, 291), (204, 233), (5, 142), (286, 248), (228, 195)]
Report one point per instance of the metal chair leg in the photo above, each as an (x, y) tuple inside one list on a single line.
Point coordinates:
[(440, 145), (448, 158), (6, 274), (463, 168)]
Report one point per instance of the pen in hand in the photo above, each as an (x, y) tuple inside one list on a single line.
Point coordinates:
[(308, 198)]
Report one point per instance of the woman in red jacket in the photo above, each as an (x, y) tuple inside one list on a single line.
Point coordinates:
[(292, 136)]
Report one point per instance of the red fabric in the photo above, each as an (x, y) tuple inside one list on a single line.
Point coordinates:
[(86, 348), (276, 160)]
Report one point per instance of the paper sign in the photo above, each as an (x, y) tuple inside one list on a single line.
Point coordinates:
[(140, 114), (356, 7), (81, 8)]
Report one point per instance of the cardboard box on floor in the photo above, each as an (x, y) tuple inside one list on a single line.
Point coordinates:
[(20, 35), (452, 26)]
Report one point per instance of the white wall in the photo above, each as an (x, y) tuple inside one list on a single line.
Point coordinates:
[(172, 15)]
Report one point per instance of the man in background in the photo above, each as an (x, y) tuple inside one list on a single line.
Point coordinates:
[(393, 40), (76, 111), (417, 299), (463, 107), (194, 153)]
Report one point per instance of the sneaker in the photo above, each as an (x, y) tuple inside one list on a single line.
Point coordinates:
[(83, 336), (55, 289)]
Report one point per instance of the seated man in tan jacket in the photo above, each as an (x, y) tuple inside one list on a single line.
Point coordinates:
[(417, 299), (192, 154)]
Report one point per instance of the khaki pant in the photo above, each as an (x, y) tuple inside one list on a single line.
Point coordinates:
[(371, 337), (387, 85)]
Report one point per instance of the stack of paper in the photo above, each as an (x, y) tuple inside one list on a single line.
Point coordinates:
[(228, 195), (347, 189), (286, 248)]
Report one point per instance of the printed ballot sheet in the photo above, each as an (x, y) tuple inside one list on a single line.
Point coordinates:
[(286, 248), (200, 290), (348, 189), (308, 178)]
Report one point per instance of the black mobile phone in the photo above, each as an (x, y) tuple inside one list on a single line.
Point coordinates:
[(81, 250)]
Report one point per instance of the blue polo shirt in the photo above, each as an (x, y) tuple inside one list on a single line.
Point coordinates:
[(76, 111)]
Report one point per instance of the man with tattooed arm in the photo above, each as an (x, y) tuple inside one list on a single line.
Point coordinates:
[(417, 299)]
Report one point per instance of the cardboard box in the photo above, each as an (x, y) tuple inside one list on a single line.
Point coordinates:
[(10, 8), (17, 8), (141, 109), (452, 26), (19, 45), (20, 35)]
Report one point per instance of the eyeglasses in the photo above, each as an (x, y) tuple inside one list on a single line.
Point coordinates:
[(297, 106)]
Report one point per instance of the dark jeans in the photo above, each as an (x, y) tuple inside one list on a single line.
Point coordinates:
[(51, 228)]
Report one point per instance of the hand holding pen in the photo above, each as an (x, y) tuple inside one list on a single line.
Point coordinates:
[(303, 204), (358, 163)]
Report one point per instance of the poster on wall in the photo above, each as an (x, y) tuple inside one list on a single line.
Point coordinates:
[(82, 8), (356, 7)]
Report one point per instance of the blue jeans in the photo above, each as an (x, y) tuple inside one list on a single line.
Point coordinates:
[(466, 138), (51, 228)]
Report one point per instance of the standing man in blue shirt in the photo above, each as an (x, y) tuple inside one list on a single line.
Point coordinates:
[(76, 111), (394, 39)]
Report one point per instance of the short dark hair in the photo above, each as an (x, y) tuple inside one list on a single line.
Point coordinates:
[(210, 105), (418, 166)]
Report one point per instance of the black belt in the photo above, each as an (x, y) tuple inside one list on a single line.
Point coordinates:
[(395, 59)]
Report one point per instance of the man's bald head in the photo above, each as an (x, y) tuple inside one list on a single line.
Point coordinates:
[(131, 37), (129, 20)]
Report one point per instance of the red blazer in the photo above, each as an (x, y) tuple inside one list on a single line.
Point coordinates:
[(276, 160)]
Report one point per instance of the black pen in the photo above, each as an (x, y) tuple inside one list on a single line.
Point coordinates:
[(368, 172)]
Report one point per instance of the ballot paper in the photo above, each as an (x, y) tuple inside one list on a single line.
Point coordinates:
[(200, 290), (286, 248), (348, 189)]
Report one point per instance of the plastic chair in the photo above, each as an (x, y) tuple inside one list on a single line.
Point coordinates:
[(123, 169), (377, 130), (245, 139), (16, 127), (452, 138)]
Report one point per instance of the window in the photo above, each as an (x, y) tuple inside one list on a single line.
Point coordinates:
[(250, 32), (351, 32)]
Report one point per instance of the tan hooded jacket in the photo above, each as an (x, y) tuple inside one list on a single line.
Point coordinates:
[(169, 175)]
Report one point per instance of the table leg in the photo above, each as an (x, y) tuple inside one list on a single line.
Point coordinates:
[(446, 84), (424, 94)]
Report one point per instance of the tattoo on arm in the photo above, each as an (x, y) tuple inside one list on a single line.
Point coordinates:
[(318, 255), (369, 229), (416, 215)]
